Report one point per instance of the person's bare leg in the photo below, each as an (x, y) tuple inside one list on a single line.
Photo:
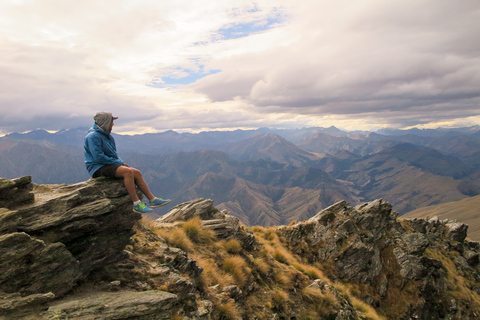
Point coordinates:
[(142, 185), (129, 180)]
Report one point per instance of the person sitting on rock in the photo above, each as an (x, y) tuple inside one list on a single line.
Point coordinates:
[(101, 159)]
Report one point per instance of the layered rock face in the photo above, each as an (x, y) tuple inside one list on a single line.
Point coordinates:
[(402, 264), (47, 247), (223, 224), (77, 252)]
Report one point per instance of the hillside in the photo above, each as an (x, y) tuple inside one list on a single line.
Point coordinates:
[(407, 176), (259, 204), (410, 169), (269, 147), (465, 211), (78, 252)]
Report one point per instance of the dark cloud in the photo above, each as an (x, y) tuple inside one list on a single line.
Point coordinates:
[(381, 57)]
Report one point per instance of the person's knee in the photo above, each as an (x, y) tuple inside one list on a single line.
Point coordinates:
[(125, 172), (136, 173)]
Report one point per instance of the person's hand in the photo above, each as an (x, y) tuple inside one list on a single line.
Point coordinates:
[(126, 165)]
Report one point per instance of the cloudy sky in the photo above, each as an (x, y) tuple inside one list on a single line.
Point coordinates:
[(192, 65)]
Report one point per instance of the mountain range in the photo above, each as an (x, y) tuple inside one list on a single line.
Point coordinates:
[(269, 176)]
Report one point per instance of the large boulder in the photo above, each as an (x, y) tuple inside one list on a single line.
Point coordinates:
[(68, 232), (115, 305)]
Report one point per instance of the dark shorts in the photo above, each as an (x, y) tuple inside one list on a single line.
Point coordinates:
[(107, 170)]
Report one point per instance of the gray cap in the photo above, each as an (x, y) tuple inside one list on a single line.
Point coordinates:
[(104, 119)]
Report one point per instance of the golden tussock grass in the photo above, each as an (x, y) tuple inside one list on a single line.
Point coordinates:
[(237, 267), (227, 311), (313, 295), (280, 299), (232, 246), (262, 266), (176, 237), (194, 230), (281, 256), (458, 285), (212, 274), (368, 311)]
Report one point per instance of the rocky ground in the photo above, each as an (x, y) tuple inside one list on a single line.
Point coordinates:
[(79, 252)]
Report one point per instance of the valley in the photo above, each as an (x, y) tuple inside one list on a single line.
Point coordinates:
[(271, 177)]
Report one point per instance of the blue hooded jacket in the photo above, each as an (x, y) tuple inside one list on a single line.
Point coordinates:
[(99, 149)]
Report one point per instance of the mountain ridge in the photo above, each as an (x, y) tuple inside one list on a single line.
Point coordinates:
[(199, 263), (409, 171)]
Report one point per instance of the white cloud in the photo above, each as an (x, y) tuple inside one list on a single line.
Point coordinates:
[(365, 63)]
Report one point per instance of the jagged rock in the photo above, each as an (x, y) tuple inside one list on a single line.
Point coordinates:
[(416, 243), (368, 245), (359, 262), (184, 264), (224, 225), (16, 192), (199, 207), (27, 266), (14, 305), (205, 308), (233, 292), (77, 229), (347, 311), (116, 305), (457, 231)]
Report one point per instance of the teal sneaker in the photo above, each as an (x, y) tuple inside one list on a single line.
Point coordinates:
[(141, 208), (158, 202)]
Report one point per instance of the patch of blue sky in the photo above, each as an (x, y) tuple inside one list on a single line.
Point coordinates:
[(180, 77), (240, 30), (244, 29)]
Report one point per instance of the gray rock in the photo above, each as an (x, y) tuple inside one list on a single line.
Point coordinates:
[(14, 305), (205, 308), (233, 292), (116, 305), (199, 207), (359, 262), (16, 192), (416, 243), (78, 229), (457, 231), (27, 266)]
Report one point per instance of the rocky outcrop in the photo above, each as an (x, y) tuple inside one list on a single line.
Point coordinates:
[(73, 231), (224, 225), (368, 245), (16, 192), (77, 252), (116, 305)]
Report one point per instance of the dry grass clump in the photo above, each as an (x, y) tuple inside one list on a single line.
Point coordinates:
[(212, 274), (280, 256), (261, 266), (313, 295), (176, 237), (227, 311), (237, 267), (368, 311), (280, 299), (310, 271), (194, 230), (233, 246)]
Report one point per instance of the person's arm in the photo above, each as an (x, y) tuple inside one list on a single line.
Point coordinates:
[(98, 155)]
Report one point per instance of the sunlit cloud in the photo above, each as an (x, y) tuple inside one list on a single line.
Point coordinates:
[(199, 65)]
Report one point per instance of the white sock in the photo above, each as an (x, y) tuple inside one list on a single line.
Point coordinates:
[(152, 199), (136, 202)]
